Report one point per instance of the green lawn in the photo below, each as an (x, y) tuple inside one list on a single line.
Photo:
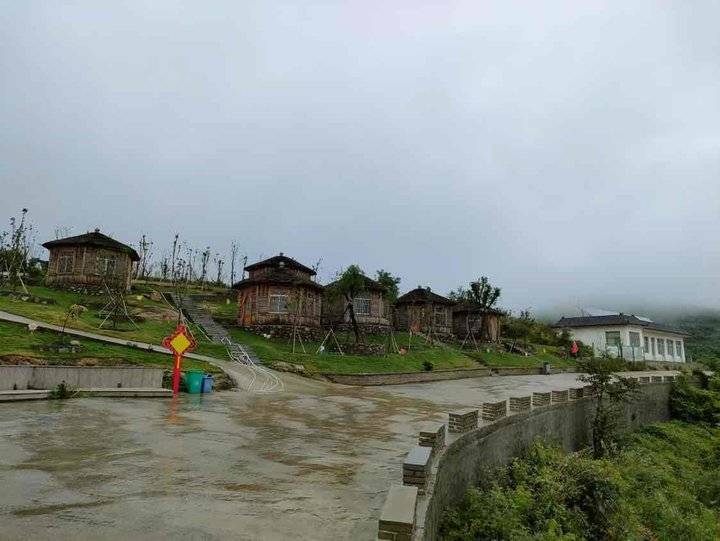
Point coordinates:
[(441, 356), (16, 340), (543, 354), (159, 318)]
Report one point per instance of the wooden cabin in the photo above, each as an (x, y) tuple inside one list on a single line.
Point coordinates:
[(89, 261), (279, 294), (421, 310), (484, 324), (372, 310)]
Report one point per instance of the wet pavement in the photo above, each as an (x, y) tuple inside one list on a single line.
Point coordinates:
[(313, 462)]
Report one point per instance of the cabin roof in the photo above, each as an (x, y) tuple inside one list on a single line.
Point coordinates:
[(280, 277), (281, 261), (423, 295), (96, 239), (614, 319)]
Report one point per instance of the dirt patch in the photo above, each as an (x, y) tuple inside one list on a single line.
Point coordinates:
[(13, 360)]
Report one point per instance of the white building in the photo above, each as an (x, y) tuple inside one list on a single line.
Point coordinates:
[(630, 337)]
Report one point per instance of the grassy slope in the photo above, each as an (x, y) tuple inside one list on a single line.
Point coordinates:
[(663, 484), (151, 330), (703, 345), (15, 339), (442, 357)]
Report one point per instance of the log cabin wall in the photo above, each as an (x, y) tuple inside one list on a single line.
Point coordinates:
[(424, 316), (334, 310), (81, 266)]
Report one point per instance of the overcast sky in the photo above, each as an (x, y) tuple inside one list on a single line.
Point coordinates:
[(568, 150)]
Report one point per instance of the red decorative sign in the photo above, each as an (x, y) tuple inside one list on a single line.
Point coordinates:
[(179, 342)]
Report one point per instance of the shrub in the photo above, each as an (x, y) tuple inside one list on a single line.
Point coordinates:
[(427, 366), (690, 404), (664, 484)]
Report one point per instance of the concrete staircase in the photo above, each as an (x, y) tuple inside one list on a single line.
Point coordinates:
[(216, 332)]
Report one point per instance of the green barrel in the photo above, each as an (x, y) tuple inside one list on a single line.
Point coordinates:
[(194, 381)]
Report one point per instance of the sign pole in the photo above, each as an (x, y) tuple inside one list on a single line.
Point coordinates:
[(179, 342), (176, 374)]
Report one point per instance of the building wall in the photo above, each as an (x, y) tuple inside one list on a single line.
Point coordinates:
[(422, 316), (595, 337), (85, 270), (255, 308), (462, 320), (333, 310)]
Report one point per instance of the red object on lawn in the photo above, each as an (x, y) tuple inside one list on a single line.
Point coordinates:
[(574, 349), (179, 342)]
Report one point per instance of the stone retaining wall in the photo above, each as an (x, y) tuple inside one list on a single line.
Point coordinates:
[(460, 465), (48, 377), (400, 378)]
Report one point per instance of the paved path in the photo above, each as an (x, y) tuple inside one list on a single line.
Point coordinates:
[(313, 462)]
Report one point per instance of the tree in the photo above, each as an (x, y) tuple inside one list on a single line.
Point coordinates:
[(234, 248), (390, 283), (611, 393), (15, 250), (145, 252), (348, 284)]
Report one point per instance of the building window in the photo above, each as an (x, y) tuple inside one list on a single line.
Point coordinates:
[(66, 263), (278, 304), (361, 305), (678, 348), (106, 265), (647, 345), (440, 316), (661, 346), (654, 350), (634, 339), (612, 338)]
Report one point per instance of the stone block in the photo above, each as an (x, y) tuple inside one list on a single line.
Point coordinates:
[(656, 379), (560, 396), (463, 420), (644, 380), (416, 466), (491, 411), (397, 518), (432, 435), (520, 403), (540, 399)]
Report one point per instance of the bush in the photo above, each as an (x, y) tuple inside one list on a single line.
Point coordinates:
[(664, 484), (427, 366), (690, 404)]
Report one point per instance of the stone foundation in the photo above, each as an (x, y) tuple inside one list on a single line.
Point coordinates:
[(314, 334), (365, 328)]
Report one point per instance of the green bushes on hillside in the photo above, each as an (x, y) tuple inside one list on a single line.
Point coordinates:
[(664, 484)]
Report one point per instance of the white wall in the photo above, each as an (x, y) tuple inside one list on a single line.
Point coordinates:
[(595, 337)]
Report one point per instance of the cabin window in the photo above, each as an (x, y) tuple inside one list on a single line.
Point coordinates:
[(279, 304), (634, 339), (66, 263), (361, 305), (661, 346), (647, 344), (612, 338), (106, 265), (440, 316)]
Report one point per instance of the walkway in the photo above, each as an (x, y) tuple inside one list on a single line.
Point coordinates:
[(313, 462)]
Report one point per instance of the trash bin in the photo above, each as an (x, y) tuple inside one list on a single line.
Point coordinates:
[(207, 383), (547, 370), (194, 379)]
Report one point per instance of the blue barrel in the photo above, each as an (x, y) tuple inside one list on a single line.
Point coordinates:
[(207, 383)]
